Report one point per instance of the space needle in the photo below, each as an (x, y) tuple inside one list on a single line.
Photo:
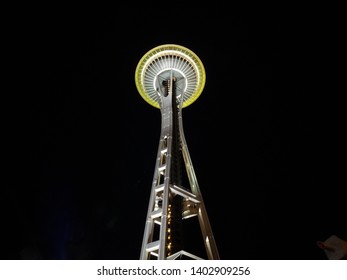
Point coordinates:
[(171, 77)]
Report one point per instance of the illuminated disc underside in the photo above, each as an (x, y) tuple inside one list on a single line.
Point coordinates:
[(163, 61)]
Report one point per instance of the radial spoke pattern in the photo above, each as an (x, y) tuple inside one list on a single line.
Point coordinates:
[(160, 63)]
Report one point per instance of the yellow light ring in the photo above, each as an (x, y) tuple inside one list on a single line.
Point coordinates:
[(170, 56)]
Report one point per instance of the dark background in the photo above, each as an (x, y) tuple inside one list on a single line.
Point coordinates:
[(80, 142)]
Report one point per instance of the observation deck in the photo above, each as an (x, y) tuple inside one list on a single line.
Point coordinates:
[(162, 62)]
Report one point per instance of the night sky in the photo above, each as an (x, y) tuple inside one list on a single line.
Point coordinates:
[(80, 142)]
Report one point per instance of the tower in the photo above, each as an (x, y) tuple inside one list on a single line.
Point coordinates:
[(171, 77)]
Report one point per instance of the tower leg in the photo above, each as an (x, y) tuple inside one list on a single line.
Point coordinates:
[(171, 201)]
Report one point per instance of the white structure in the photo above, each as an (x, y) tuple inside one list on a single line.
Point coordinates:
[(171, 77)]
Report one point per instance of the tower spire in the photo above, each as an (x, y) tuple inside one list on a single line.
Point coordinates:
[(171, 77)]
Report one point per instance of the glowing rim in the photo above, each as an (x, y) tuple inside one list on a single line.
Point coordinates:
[(184, 61)]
